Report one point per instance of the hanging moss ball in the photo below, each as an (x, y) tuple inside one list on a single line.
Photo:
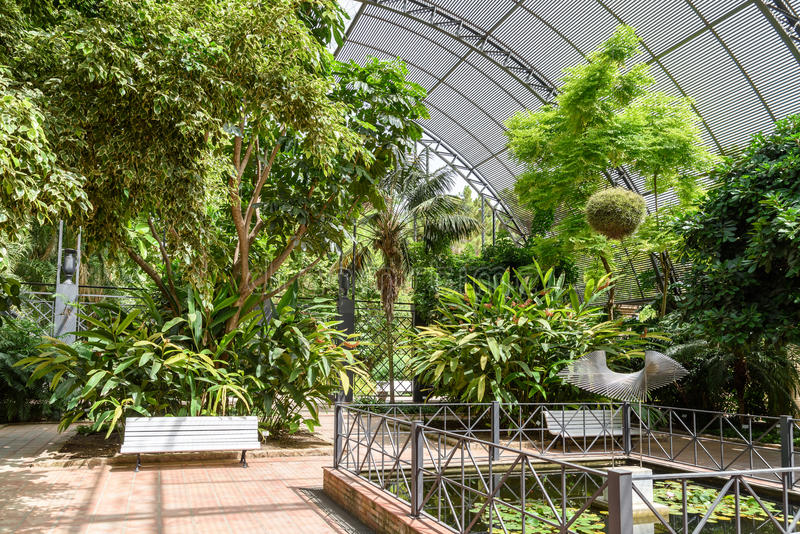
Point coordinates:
[(615, 213)]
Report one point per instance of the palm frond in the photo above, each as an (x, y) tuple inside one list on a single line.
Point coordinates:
[(435, 184), (448, 228)]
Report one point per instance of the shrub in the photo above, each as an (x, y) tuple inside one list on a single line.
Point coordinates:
[(20, 401), (296, 363), (145, 362), (130, 365), (615, 213), (743, 289), (509, 343)]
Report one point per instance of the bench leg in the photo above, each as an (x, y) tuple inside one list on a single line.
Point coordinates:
[(138, 462), (243, 461)]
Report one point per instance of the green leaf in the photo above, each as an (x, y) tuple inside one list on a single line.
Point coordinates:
[(492, 344), (481, 387)]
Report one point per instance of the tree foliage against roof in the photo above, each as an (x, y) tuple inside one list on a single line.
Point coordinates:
[(604, 118)]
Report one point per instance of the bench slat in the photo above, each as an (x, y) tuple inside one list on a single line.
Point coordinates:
[(584, 423), (195, 448), (186, 434)]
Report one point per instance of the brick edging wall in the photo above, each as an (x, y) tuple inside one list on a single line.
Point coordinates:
[(374, 508)]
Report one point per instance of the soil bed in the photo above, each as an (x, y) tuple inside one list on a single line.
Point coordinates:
[(91, 445), (94, 445)]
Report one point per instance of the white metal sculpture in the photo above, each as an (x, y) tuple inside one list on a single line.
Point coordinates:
[(591, 373)]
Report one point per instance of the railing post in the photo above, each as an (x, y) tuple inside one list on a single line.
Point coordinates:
[(620, 502), (416, 468), (495, 429), (626, 428), (787, 447), (337, 433)]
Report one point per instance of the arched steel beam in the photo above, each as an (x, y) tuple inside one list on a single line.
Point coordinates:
[(786, 21), (474, 178), (471, 36)]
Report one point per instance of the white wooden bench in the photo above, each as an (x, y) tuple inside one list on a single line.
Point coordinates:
[(190, 434), (584, 423)]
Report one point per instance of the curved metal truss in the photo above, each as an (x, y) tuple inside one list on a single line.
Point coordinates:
[(787, 17), (476, 39), (475, 180)]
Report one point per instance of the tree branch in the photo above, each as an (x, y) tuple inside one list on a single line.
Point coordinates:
[(243, 165), (291, 280), (151, 272), (276, 263), (261, 180), (167, 262)]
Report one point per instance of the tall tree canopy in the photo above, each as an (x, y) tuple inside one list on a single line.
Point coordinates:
[(201, 119), (604, 117)]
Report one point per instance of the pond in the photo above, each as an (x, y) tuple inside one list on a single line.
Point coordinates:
[(455, 505)]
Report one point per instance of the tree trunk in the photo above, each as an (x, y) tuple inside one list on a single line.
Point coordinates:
[(740, 379), (611, 291), (390, 353), (664, 284)]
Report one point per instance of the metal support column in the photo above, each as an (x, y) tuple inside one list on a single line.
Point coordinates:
[(620, 502), (337, 433), (483, 221), (626, 428), (787, 447), (495, 429), (346, 307), (416, 468)]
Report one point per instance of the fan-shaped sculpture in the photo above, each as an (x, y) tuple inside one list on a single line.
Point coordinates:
[(591, 373)]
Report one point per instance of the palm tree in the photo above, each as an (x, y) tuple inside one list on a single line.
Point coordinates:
[(413, 197)]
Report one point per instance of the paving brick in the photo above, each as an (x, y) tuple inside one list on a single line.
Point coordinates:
[(268, 497)]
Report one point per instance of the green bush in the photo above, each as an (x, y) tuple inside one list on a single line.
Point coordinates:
[(130, 364), (743, 289), (144, 362), (710, 384), (508, 343), (447, 270), (295, 363), (615, 213), (20, 401)]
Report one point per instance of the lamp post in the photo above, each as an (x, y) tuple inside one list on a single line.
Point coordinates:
[(66, 313)]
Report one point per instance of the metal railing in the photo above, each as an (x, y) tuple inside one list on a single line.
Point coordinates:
[(494, 467), (736, 483), (714, 440), (454, 478)]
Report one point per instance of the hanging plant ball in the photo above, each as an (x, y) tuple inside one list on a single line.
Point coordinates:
[(615, 213)]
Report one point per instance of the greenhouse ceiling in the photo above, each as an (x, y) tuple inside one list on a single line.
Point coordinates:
[(481, 61)]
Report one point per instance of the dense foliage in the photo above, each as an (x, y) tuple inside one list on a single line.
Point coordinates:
[(436, 270), (145, 362), (607, 121), (19, 399), (744, 244), (198, 121), (605, 118), (508, 343)]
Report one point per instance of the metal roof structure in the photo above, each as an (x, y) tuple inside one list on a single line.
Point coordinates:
[(481, 61)]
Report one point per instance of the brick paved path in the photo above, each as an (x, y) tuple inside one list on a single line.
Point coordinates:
[(279, 495)]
